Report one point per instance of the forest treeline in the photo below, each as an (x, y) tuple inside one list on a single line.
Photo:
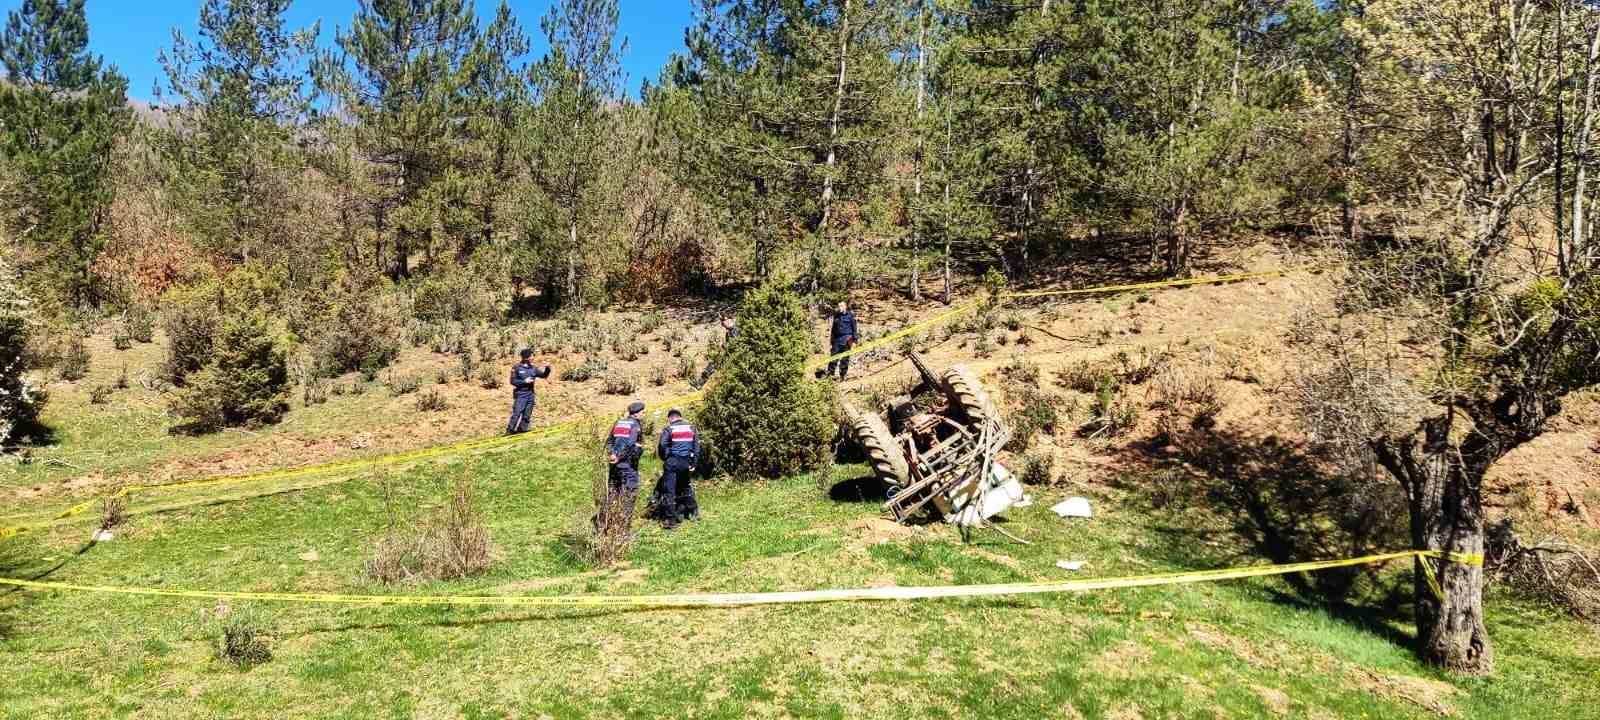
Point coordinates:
[(821, 143)]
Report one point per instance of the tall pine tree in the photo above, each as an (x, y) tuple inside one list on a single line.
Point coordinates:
[(61, 112), (400, 77), (240, 95)]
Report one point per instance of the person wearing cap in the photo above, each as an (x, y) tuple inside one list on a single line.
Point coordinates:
[(523, 375), (679, 450), (624, 451)]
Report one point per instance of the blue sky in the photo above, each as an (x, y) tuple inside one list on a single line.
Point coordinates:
[(129, 33)]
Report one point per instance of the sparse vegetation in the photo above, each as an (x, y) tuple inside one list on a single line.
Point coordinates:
[(244, 642), (431, 401), (452, 544), (74, 363)]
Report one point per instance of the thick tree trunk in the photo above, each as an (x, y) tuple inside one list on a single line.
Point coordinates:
[(1446, 508)]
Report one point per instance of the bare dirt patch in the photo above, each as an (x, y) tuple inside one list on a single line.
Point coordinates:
[(1435, 696)]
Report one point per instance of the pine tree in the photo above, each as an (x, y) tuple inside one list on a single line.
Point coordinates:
[(246, 381), (572, 133), (240, 97), (61, 112), (499, 99), (400, 78), (793, 124), (764, 416), (20, 399)]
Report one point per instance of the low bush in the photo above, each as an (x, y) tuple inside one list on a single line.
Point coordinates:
[(431, 401), (1035, 412), (489, 379), (192, 317), (585, 371), (359, 330), (122, 378), (74, 363), (658, 375), (120, 340), (1083, 376), (451, 545), (650, 322), (244, 642), (1038, 469), (314, 392), (139, 321), (403, 385), (100, 394), (245, 382), (620, 384), (1112, 414), (114, 507)]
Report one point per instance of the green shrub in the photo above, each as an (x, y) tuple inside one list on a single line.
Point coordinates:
[(588, 370), (244, 642), (245, 382), (1036, 412), (658, 375), (404, 385), (191, 318), (461, 296), (20, 400), (120, 339), (99, 395), (431, 401), (620, 384), (140, 322), (764, 416), (489, 378), (650, 321), (1038, 469), (74, 365), (360, 331)]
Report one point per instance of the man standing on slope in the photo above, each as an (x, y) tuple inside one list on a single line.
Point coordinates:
[(841, 337), (523, 375), (679, 449), (624, 451)]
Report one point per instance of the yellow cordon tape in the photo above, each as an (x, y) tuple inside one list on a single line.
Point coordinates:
[(766, 598), (358, 464)]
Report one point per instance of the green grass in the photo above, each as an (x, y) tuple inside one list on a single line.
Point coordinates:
[(1241, 649)]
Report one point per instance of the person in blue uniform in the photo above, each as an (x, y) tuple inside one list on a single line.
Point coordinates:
[(841, 337), (679, 450), (523, 375), (623, 450)]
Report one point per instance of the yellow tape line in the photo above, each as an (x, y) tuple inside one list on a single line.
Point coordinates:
[(509, 440), (746, 599)]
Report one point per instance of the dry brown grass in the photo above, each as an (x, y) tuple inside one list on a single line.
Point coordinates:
[(451, 546)]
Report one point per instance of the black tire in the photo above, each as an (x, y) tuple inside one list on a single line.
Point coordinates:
[(964, 391), (883, 453)]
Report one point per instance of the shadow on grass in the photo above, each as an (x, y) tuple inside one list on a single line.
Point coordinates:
[(20, 558), (868, 489), (1285, 504)]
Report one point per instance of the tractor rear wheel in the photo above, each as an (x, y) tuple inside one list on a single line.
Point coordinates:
[(965, 392), (883, 453)]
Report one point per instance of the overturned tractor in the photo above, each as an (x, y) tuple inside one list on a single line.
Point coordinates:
[(936, 451)]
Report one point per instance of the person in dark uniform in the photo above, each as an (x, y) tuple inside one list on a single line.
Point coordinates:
[(679, 450), (841, 337), (523, 375), (624, 451), (730, 331)]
